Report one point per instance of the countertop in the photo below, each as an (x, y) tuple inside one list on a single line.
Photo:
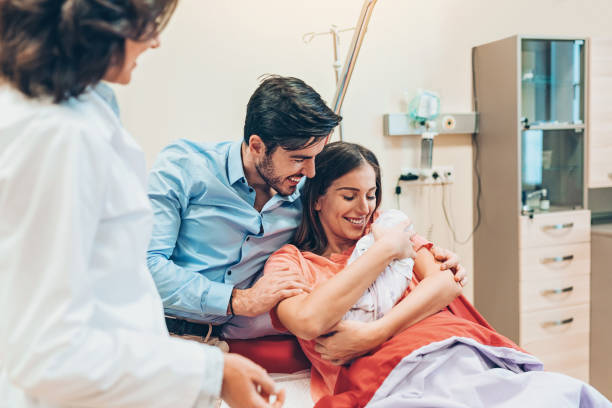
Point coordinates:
[(602, 229)]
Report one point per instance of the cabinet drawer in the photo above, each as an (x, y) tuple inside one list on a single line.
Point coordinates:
[(555, 293), (554, 262), (567, 354), (553, 325), (567, 227)]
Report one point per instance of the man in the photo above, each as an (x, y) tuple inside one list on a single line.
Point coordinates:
[(222, 209)]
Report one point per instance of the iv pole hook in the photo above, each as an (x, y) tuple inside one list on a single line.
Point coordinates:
[(351, 58)]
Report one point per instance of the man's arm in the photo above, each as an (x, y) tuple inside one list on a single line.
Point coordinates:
[(170, 187), (450, 260)]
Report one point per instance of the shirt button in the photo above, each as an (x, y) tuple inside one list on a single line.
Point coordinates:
[(243, 180), (250, 190), (229, 272)]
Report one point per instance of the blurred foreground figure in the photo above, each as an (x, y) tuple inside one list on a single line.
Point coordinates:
[(81, 323)]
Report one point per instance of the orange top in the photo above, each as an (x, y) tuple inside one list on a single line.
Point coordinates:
[(316, 269)]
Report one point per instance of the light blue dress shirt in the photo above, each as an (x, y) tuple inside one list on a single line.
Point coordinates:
[(207, 236)]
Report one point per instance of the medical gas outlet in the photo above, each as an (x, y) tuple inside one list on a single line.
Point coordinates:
[(433, 175)]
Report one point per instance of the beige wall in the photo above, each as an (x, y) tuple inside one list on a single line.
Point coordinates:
[(197, 84)]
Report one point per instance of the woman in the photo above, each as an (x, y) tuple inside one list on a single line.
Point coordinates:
[(81, 323), (421, 356)]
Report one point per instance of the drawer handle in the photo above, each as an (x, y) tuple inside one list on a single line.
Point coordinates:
[(557, 259), (558, 226), (555, 323), (558, 291)]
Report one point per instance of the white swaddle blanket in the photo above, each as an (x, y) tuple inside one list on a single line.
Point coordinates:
[(390, 285)]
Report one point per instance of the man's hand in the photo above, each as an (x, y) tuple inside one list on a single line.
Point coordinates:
[(267, 292), (245, 384), (348, 340), (450, 260)]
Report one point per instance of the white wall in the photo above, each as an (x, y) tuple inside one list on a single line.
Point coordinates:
[(198, 83)]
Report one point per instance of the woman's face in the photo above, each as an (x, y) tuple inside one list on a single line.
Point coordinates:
[(123, 74), (345, 209)]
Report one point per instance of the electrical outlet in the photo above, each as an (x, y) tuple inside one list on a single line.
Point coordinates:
[(447, 174), (434, 175)]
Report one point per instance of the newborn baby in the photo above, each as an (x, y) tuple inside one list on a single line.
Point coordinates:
[(390, 285)]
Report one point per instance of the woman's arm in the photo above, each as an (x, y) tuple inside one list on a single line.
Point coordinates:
[(435, 291), (310, 315)]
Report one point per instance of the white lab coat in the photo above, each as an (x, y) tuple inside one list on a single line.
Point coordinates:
[(81, 323)]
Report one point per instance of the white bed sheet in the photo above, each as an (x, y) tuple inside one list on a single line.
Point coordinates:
[(297, 389)]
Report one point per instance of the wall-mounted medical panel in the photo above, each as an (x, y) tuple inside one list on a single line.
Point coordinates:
[(401, 124)]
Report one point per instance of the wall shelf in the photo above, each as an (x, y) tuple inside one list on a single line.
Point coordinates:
[(400, 124)]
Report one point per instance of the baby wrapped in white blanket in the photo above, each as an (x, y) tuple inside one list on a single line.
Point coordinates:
[(390, 285)]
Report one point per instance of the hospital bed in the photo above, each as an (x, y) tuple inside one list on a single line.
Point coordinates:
[(283, 358)]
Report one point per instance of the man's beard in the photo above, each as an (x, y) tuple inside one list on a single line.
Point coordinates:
[(265, 169)]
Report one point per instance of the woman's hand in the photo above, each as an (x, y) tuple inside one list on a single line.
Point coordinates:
[(348, 340), (396, 238), (245, 384)]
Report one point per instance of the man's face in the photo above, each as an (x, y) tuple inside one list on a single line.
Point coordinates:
[(283, 169)]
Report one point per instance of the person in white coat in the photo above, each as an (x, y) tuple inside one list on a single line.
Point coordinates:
[(81, 322)]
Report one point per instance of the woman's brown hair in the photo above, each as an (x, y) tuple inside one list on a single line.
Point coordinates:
[(58, 48), (336, 160)]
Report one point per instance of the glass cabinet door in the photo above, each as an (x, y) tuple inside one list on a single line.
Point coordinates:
[(552, 160), (552, 82)]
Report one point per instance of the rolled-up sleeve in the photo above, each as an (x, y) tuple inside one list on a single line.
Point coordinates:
[(183, 291)]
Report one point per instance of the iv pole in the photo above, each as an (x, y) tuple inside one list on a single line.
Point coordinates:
[(351, 57)]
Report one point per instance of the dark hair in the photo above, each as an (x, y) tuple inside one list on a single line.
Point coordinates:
[(59, 47), (336, 160), (284, 111)]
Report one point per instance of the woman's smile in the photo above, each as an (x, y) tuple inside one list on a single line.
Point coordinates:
[(359, 221), (346, 207)]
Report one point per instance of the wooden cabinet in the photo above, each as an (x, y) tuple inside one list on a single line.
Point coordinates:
[(554, 290), (532, 265), (601, 309), (600, 113)]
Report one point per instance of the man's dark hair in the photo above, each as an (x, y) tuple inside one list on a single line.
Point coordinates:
[(58, 48), (336, 160), (284, 111)]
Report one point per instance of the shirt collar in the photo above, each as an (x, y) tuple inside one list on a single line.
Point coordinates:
[(108, 95), (235, 171)]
